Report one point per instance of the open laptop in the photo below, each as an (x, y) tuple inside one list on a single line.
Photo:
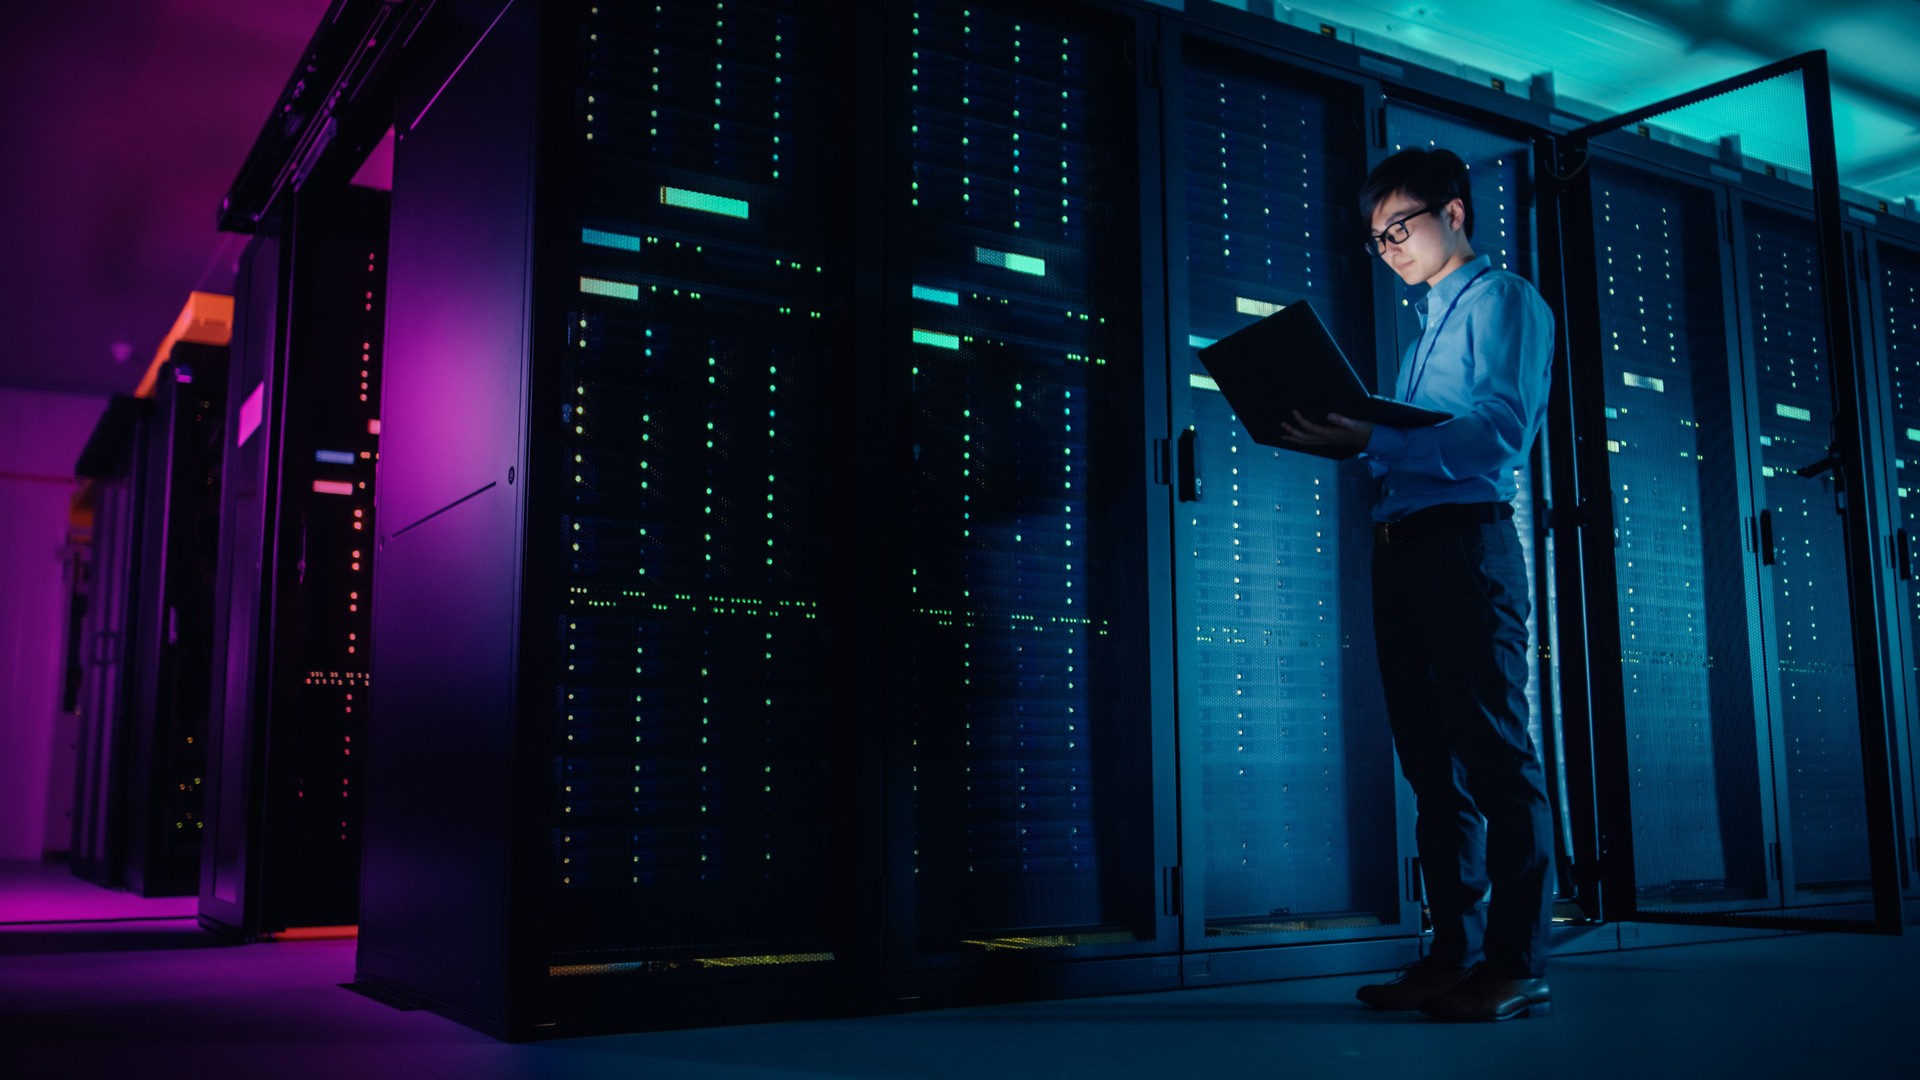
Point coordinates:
[(1288, 361)]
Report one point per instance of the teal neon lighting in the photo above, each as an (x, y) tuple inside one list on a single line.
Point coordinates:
[(1201, 382), (1792, 413), (617, 289), (1025, 264), (1199, 342), (928, 337), (610, 239), (699, 200), (938, 296), (1914, 433)]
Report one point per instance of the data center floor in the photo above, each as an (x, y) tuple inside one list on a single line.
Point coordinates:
[(156, 998)]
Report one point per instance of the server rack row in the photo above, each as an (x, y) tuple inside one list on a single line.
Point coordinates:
[(668, 522), (1713, 364)]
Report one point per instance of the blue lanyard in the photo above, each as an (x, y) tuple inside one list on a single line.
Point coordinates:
[(1420, 369)]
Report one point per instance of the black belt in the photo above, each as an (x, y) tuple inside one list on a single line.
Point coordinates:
[(1433, 520)]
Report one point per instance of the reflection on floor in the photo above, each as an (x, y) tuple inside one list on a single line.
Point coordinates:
[(133, 1001)]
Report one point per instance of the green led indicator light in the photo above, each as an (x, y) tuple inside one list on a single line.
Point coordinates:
[(601, 287), (696, 200)]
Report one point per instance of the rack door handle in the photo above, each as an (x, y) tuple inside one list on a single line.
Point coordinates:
[(1903, 553), (1188, 470), (1766, 537)]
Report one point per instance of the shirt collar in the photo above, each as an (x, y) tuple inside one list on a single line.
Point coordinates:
[(1451, 286)]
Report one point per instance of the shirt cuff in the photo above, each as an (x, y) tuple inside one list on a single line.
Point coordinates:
[(1386, 442)]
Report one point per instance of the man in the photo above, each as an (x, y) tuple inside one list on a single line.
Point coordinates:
[(1450, 596)]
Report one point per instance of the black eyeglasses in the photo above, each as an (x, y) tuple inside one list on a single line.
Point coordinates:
[(1397, 232)]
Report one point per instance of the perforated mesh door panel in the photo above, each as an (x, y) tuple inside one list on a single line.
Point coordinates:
[(1296, 809), (1684, 580), (1816, 683), (694, 787), (1022, 566)]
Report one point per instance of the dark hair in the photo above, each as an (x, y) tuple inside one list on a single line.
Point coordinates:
[(1435, 177)]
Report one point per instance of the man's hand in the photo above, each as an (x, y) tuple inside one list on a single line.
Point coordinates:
[(1338, 432)]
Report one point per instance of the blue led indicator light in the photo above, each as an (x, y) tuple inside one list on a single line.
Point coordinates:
[(610, 239), (333, 457), (938, 296)]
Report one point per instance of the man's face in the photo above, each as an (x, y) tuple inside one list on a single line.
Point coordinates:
[(1430, 237)]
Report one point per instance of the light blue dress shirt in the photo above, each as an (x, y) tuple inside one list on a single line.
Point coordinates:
[(1488, 362)]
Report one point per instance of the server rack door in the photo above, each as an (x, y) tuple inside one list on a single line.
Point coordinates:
[(700, 521), (1023, 804), (1809, 658), (1698, 779), (229, 863), (1291, 815), (1813, 692), (1892, 312), (1501, 174)]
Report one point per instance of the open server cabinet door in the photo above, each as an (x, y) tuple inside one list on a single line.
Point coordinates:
[(1740, 748)]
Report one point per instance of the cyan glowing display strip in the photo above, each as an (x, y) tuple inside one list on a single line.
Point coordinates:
[(333, 457), (1792, 412), (1644, 382), (620, 241), (1262, 308), (928, 337), (699, 200), (1202, 382), (1025, 264), (1914, 433), (938, 296), (250, 412), (1199, 342), (619, 290), (333, 487)]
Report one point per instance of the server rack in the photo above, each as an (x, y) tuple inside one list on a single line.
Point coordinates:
[(170, 663), (1294, 820), (1028, 774), (1889, 258), (622, 765), (112, 461), (154, 465), (282, 845)]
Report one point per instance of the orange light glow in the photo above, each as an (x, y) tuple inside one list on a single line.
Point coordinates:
[(207, 319)]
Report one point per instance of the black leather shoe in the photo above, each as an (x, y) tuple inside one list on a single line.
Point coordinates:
[(1416, 983), (1483, 996)]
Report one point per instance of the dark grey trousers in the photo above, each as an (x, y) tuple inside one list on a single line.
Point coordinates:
[(1450, 611)]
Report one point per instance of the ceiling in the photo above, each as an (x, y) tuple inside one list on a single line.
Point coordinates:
[(1612, 56), (126, 120)]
